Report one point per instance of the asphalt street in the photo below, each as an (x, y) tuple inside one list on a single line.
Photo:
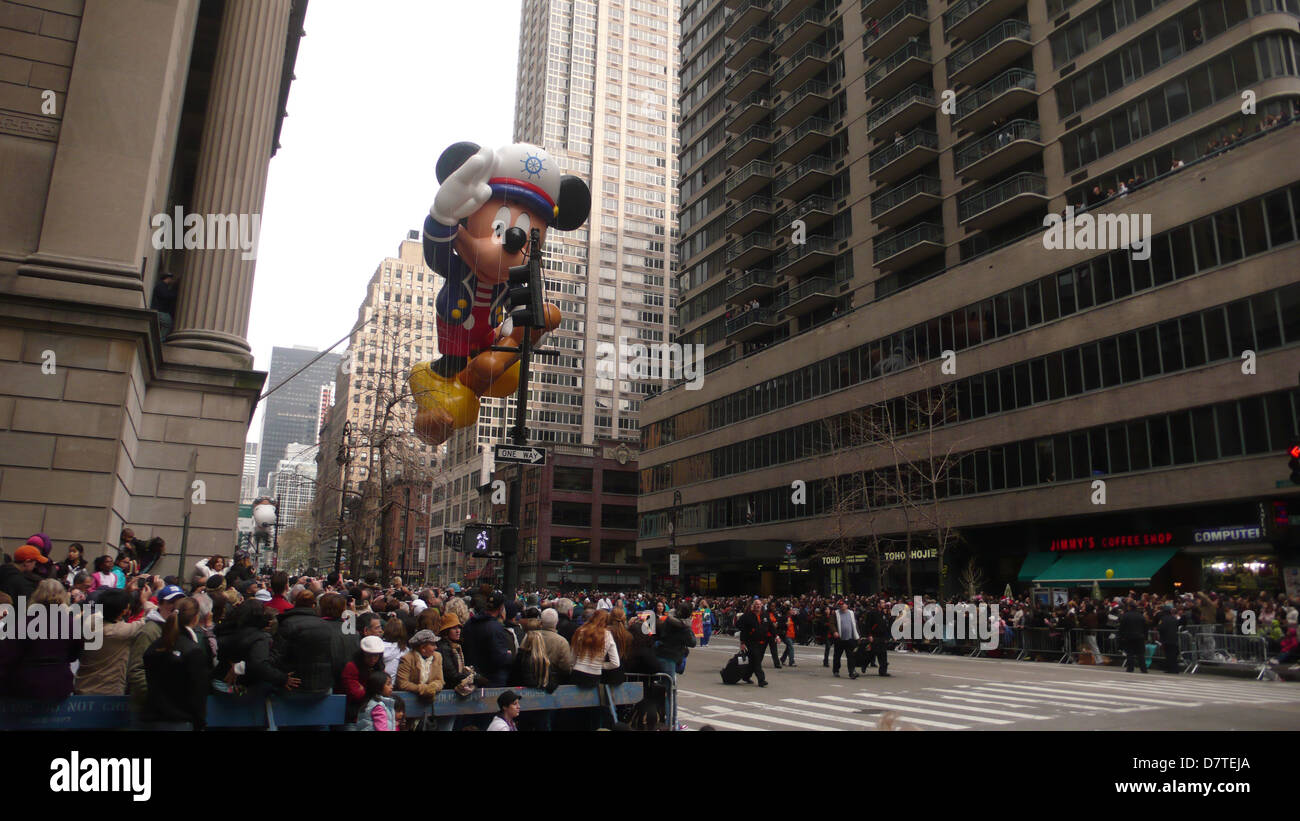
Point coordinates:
[(945, 692)]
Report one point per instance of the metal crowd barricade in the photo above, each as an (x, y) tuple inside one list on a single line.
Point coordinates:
[(1040, 642), (251, 710), (1210, 649), (447, 705), (1095, 646)]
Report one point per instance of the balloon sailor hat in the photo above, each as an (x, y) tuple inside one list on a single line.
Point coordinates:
[(528, 174)]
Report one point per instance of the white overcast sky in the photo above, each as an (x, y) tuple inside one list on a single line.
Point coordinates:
[(381, 88)]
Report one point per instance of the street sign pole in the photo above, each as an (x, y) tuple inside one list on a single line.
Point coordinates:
[(510, 544)]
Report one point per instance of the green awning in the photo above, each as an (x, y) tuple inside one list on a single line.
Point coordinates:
[(1130, 567), (1035, 563)]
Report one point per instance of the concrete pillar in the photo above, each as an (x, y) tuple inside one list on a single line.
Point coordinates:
[(217, 284)]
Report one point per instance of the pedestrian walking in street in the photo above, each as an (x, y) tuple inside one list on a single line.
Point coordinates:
[(878, 636), (844, 632), (789, 629), (753, 641), (1132, 637), (1168, 628)]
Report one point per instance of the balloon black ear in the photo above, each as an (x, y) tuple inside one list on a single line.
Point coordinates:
[(575, 203), (454, 157)]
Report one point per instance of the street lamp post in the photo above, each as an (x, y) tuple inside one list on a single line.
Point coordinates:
[(343, 459)]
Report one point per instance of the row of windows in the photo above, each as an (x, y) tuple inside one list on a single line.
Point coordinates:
[(1170, 41), (1097, 24), (1251, 228), (1259, 59), (1260, 323), (1255, 425)]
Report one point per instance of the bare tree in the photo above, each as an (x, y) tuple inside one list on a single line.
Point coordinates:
[(971, 579)]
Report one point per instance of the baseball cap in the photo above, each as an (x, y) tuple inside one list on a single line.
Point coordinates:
[(507, 698), (170, 592), (28, 553)]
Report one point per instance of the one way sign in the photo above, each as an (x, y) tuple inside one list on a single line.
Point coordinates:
[(520, 456)]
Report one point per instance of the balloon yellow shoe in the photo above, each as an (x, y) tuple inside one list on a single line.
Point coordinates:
[(444, 404)]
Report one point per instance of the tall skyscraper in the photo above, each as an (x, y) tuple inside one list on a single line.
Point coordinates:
[(597, 81), (866, 194), (248, 480), (293, 411), (293, 483)]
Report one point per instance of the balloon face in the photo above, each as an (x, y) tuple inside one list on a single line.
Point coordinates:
[(481, 238), (264, 516)]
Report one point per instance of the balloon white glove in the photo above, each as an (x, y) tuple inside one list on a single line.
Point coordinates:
[(465, 189)]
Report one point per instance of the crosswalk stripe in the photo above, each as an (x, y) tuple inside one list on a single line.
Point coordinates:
[(759, 716), (1260, 690), (1033, 699), (1205, 695), (943, 725), (724, 725), (869, 725), (1071, 694), (873, 702), (987, 710), (960, 706)]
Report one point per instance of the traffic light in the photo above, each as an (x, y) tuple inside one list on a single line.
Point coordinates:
[(479, 540), (1294, 463), (524, 296)]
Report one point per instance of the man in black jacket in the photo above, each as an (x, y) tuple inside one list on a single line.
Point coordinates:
[(878, 636), (753, 640), (1132, 636), (1168, 627), (675, 637), (488, 649), (18, 578), (305, 646)]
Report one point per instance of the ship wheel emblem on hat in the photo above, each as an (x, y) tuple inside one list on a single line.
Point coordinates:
[(532, 165)]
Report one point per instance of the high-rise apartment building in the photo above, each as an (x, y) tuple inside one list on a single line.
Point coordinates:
[(596, 86), (293, 483), (866, 186), (394, 329), (293, 410)]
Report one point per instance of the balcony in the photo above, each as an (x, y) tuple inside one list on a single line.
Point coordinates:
[(804, 257), (748, 111), (802, 140), (750, 214), (748, 180), (1009, 91), (906, 201), (747, 146), (806, 26), (783, 11), (1009, 144), (746, 14), (970, 17), (875, 8), (808, 62), (805, 177), (750, 285), (909, 63), (806, 297), (748, 250), (1005, 43), (904, 155), (887, 34), (801, 103), (998, 203), (814, 211), (750, 324), (904, 110), (755, 42), (900, 250), (749, 78)]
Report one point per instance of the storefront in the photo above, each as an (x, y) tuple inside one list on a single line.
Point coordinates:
[(1235, 558)]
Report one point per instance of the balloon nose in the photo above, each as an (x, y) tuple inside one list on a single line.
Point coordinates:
[(515, 239)]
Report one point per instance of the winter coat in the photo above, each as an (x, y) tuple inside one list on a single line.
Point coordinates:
[(379, 713), (44, 668), (17, 582), (488, 648), (178, 682), (674, 638), (305, 646), (253, 648), (137, 683), (409, 675)]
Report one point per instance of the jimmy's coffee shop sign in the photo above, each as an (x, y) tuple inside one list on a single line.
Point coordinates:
[(1177, 537)]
